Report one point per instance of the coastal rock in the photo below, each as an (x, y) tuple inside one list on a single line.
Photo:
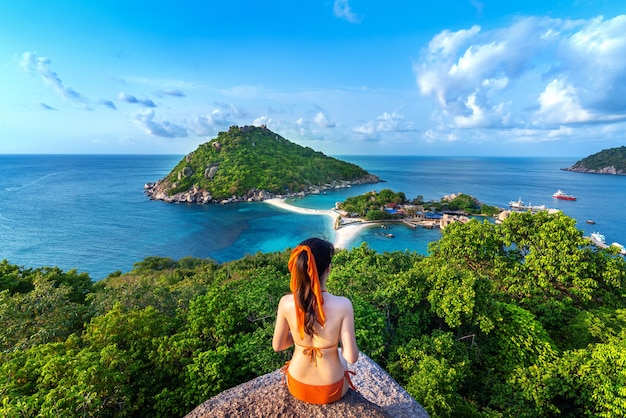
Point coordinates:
[(605, 170), (159, 191), (266, 396)]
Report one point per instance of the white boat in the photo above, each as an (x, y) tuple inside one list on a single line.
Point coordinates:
[(622, 250), (598, 237), (517, 205)]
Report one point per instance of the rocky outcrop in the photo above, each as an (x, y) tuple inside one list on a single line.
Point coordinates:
[(266, 396), (160, 190), (606, 170)]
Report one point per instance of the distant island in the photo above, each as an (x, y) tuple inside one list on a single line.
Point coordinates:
[(252, 163), (608, 161)]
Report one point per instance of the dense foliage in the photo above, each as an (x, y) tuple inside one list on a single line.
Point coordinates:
[(254, 158), (612, 157), (371, 205), (519, 319)]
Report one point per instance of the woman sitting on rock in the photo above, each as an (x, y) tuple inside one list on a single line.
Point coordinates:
[(315, 320)]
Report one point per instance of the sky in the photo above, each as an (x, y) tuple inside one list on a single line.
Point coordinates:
[(344, 77)]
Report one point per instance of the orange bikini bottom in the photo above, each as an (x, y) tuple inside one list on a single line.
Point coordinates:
[(318, 394)]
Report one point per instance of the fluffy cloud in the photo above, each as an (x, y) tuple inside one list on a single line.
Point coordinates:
[(146, 120), (321, 119), (536, 73), (559, 103), (32, 63), (387, 122), (223, 115)]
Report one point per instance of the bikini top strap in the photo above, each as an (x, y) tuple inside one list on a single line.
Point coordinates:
[(314, 352)]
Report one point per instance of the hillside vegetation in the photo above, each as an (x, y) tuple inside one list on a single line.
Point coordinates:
[(371, 205), (248, 159), (608, 161), (520, 319)]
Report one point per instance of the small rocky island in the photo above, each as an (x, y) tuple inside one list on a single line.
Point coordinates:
[(252, 163), (608, 161)]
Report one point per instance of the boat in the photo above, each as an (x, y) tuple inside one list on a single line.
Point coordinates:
[(563, 196), (621, 248), (598, 237), (591, 221), (517, 205)]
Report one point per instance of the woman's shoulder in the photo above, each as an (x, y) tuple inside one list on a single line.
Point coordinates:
[(341, 301), (286, 300)]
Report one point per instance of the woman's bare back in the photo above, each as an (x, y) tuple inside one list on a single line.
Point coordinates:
[(326, 366)]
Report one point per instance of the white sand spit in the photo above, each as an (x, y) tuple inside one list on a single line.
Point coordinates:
[(343, 236)]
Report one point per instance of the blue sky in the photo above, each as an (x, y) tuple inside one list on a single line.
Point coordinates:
[(345, 77)]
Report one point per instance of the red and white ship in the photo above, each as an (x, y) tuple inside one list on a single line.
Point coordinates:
[(563, 196)]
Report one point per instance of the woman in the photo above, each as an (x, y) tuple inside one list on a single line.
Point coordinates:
[(315, 320)]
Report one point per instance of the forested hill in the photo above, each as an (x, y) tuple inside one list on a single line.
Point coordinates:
[(608, 161), (252, 163)]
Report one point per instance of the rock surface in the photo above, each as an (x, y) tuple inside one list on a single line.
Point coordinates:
[(159, 190), (266, 396), (606, 170)]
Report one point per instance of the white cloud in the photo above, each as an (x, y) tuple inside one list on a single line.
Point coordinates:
[(224, 115), (146, 120), (32, 63), (559, 104), (262, 120), (385, 123), (321, 119), (341, 9), (570, 72)]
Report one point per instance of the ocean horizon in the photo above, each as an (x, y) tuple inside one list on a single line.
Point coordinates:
[(90, 212)]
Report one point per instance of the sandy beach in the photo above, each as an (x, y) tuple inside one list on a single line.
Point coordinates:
[(343, 236)]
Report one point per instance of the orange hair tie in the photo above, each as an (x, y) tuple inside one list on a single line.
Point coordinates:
[(315, 286)]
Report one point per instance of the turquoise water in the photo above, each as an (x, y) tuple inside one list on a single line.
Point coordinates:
[(89, 212)]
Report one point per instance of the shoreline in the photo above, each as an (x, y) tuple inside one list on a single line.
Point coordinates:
[(343, 236)]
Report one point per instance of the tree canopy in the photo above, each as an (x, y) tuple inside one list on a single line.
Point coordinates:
[(523, 318)]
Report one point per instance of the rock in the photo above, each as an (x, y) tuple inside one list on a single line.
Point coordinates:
[(159, 190), (185, 172), (605, 170), (209, 173), (266, 396)]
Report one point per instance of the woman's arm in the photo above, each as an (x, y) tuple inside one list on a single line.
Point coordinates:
[(349, 349), (282, 335)]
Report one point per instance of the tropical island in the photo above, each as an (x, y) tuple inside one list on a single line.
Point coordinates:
[(608, 161), (380, 208), (252, 163)]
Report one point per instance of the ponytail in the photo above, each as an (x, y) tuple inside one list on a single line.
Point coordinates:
[(307, 259)]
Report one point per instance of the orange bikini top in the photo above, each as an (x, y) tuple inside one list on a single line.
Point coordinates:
[(314, 352)]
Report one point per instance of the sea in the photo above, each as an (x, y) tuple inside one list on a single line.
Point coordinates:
[(90, 212)]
